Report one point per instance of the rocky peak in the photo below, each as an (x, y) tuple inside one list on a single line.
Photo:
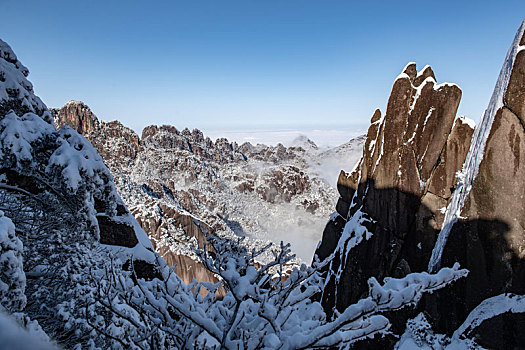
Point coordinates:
[(117, 144), (77, 115), (169, 138), (404, 209), (305, 143), (416, 147), (274, 154), (403, 149)]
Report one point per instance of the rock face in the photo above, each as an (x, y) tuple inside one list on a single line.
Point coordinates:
[(484, 228), (409, 156), (168, 137), (403, 209), (77, 115)]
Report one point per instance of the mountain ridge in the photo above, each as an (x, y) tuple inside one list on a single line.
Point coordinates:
[(188, 172)]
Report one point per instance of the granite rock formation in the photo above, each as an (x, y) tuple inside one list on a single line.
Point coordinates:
[(429, 192), (484, 227), (77, 115), (409, 155)]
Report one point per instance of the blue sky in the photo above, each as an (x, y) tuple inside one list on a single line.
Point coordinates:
[(253, 64)]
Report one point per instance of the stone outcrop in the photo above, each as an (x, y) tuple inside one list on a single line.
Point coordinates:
[(418, 215), (168, 137), (77, 115), (117, 144), (116, 233), (399, 188), (485, 227)]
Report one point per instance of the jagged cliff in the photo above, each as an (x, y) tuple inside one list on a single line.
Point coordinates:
[(399, 187), (180, 185), (400, 204), (484, 228)]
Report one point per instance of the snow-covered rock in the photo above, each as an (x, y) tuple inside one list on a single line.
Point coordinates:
[(483, 228), (267, 193), (409, 155)]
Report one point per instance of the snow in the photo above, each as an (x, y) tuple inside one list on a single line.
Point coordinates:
[(78, 158), (15, 86), (419, 335), (402, 76), (420, 73), (392, 295), (14, 337), (419, 89), (73, 103), (490, 308), (12, 276), (354, 231), (465, 120), (476, 152), (432, 109), (411, 284), (18, 132)]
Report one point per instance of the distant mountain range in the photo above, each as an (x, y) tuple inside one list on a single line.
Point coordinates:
[(268, 193)]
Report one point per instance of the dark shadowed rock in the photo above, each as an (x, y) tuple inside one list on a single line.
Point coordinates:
[(488, 235), (416, 146), (419, 216), (116, 233), (443, 178), (142, 270)]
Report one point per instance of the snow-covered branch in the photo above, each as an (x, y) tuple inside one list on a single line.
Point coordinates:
[(258, 310)]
